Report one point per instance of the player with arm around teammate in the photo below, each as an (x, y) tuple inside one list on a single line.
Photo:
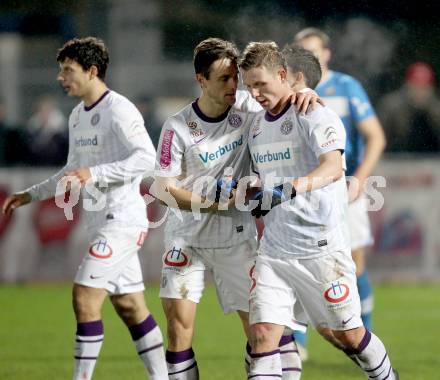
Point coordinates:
[(109, 150), (206, 141), (304, 259)]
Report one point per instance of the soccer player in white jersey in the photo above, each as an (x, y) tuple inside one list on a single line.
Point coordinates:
[(304, 259), (365, 144), (109, 152), (207, 139)]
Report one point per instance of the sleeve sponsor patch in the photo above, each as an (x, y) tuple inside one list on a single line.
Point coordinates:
[(165, 150)]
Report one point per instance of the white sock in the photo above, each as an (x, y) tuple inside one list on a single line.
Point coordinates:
[(372, 357), (89, 337), (290, 359), (149, 345), (182, 365), (266, 366)]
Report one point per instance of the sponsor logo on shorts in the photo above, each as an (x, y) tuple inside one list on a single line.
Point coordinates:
[(101, 250), (345, 321), (176, 258), (337, 292)]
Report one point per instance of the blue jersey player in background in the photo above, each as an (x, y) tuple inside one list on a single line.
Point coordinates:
[(365, 144)]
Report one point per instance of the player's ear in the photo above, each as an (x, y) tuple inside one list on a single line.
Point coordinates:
[(283, 74), (93, 72), (201, 79)]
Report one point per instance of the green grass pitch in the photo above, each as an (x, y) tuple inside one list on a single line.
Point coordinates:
[(37, 329)]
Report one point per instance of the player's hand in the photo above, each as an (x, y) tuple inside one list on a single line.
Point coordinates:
[(355, 188), (225, 187), (14, 201), (302, 100), (278, 197), (82, 174)]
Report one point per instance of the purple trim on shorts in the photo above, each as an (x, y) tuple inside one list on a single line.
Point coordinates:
[(179, 356), (85, 357), (288, 352), (87, 109), (263, 354), (380, 365), (143, 328), (89, 341), (265, 375), (184, 370), (208, 119), (285, 339), (362, 345), (292, 369), (150, 348), (90, 328), (269, 117)]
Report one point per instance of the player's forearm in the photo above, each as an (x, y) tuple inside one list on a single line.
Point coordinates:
[(325, 174), (373, 151), (180, 198), (140, 163), (46, 189)]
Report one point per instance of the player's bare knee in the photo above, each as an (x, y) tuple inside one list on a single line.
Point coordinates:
[(86, 308), (131, 309), (350, 339), (260, 336), (328, 335)]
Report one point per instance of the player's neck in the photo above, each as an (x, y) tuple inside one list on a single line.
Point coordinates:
[(94, 93), (211, 108), (284, 100)]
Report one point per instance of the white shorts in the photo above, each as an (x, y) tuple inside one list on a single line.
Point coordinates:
[(112, 261), (359, 222), (290, 292), (184, 268)]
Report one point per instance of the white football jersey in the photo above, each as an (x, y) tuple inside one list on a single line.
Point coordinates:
[(287, 147), (110, 139), (193, 145)]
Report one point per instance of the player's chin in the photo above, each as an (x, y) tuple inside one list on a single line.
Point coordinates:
[(230, 99)]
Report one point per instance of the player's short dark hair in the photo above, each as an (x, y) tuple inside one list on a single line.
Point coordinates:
[(87, 52), (209, 51), (313, 32), (302, 60), (265, 53)]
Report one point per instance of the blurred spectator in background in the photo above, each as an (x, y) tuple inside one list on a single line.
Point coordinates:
[(411, 115), (47, 134), (11, 140), (145, 105)]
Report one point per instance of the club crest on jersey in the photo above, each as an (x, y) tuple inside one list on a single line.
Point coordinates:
[(101, 250), (192, 124), (95, 119), (235, 120), (176, 258), (286, 127)]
